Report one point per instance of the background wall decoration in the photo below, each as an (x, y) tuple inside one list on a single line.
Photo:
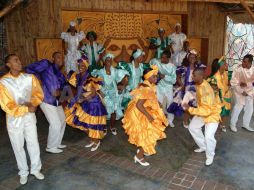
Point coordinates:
[(122, 32)]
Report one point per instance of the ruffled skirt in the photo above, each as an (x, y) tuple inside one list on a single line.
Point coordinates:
[(89, 116)]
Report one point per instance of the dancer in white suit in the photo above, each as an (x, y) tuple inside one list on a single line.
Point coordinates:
[(242, 85), (20, 94)]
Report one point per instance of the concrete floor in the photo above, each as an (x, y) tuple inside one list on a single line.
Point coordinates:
[(234, 162)]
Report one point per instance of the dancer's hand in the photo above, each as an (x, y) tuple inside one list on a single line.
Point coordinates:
[(150, 118), (244, 94), (186, 106), (56, 93), (32, 109)]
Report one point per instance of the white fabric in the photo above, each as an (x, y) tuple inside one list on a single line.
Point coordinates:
[(25, 131), (178, 40), (166, 98), (108, 55), (178, 58), (138, 53), (56, 118), (207, 142), (248, 110), (98, 49), (73, 53), (23, 128)]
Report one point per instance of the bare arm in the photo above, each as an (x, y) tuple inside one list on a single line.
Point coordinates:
[(141, 108)]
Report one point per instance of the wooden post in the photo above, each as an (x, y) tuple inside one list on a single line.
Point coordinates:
[(245, 5), (9, 8)]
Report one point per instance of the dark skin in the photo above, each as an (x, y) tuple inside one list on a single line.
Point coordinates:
[(137, 61), (140, 106), (15, 66), (246, 63)]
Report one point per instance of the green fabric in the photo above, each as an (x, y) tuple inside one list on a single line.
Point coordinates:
[(230, 75), (221, 62), (224, 112), (228, 100), (125, 102), (94, 64)]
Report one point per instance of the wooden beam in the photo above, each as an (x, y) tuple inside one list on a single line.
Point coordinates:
[(219, 1), (7, 9), (245, 5)]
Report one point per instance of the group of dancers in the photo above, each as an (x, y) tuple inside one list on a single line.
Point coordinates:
[(144, 96)]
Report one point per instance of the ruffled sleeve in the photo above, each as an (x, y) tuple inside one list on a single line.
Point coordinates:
[(65, 36), (9, 105), (100, 49), (81, 36), (144, 93)]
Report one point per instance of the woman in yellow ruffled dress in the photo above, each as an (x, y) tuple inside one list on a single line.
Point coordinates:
[(144, 120)]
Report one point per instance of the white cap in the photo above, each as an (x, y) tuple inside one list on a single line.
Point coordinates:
[(178, 24), (72, 23), (138, 53), (108, 55)]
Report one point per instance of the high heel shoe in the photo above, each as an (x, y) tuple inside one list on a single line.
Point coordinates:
[(113, 131), (140, 161), (89, 145), (96, 147)]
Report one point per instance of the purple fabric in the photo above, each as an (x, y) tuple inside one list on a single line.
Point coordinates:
[(94, 107), (51, 77), (80, 83)]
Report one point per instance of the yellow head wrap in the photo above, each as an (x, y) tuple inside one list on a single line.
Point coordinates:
[(154, 71)]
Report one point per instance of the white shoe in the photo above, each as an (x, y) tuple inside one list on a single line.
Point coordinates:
[(61, 146), (223, 129), (209, 161), (23, 180), (113, 131), (96, 147), (248, 128), (233, 128), (140, 161), (199, 150), (105, 132), (185, 126), (39, 176), (89, 145), (171, 124), (54, 150)]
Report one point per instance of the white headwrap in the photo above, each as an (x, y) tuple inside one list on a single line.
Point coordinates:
[(108, 55), (138, 53), (121, 73), (178, 24), (72, 23)]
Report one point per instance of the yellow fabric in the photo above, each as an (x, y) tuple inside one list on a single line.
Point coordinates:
[(152, 72), (95, 134), (222, 83), (9, 105), (37, 92), (143, 133), (208, 105), (73, 79)]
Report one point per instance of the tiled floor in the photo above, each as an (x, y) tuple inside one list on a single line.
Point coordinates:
[(112, 167)]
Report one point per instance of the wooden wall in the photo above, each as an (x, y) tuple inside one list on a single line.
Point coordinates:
[(206, 21), (42, 19)]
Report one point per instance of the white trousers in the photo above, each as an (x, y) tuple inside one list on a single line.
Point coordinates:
[(26, 131), (248, 110), (56, 118), (166, 98), (207, 142)]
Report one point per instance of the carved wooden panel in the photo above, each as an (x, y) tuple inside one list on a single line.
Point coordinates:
[(46, 47), (123, 32)]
